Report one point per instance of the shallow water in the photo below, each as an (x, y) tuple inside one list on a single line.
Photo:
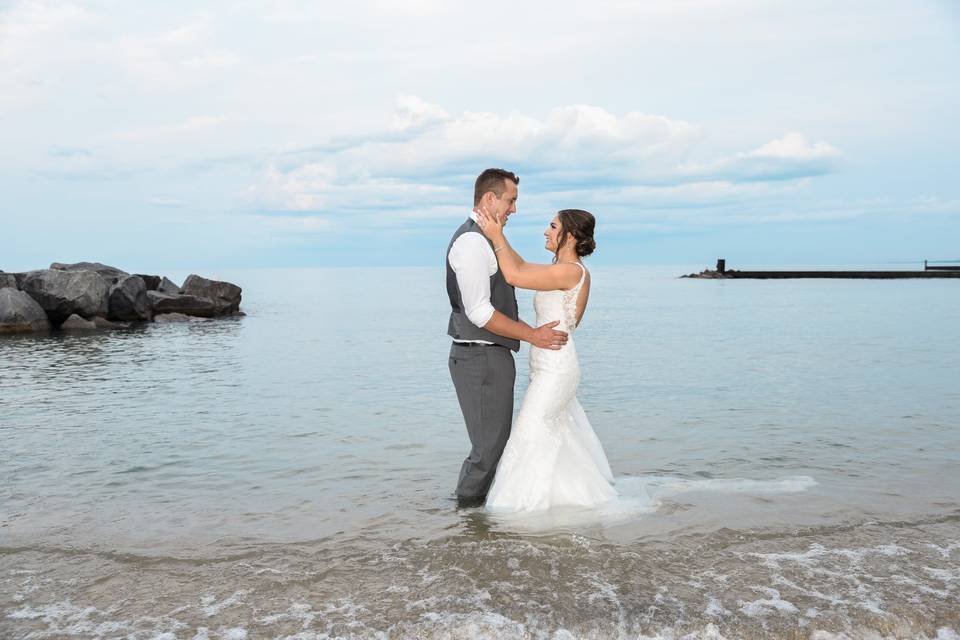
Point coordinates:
[(789, 453)]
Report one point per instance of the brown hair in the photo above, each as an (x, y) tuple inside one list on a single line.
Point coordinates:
[(579, 224), (493, 180)]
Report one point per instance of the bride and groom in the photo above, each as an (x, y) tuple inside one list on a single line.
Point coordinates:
[(551, 457)]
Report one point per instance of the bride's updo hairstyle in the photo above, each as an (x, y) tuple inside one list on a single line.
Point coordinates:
[(579, 224)]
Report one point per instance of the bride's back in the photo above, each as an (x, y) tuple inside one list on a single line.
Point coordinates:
[(565, 305), (584, 296)]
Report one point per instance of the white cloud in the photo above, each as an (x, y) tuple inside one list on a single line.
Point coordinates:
[(30, 36), (212, 61), (169, 60), (426, 156), (165, 201), (293, 225), (321, 187), (189, 127), (26, 21), (418, 8), (786, 158), (793, 147), (424, 146), (413, 112), (49, 49)]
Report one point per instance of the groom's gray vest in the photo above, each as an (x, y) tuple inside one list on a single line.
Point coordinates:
[(502, 297)]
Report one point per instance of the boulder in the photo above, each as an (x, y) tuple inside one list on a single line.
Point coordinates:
[(103, 323), (76, 323), (128, 300), (709, 274), (171, 317), (111, 274), (189, 305), (11, 280), (169, 287), (152, 282), (20, 313), (61, 293), (226, 296)]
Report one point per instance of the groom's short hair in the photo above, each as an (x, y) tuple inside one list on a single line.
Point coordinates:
[(493, 180)]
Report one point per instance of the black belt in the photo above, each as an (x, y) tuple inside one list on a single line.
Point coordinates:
[(473, 344)]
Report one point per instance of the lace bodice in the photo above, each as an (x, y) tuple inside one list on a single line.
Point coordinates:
[(560, 304)]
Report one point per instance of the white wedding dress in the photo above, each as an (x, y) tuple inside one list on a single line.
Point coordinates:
[(553, 458)]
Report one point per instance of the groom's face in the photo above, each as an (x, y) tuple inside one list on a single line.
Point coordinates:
[(506, 205)]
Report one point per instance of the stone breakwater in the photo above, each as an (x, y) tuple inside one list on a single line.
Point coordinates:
[(90, 295)]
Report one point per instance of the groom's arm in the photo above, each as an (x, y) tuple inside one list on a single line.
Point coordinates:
[(473, 261), (545, 337)]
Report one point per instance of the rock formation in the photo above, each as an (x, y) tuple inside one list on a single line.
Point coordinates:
[(19, 313), (225, 296), (128, 300), (167, 287), (62, 293), (91, 295)]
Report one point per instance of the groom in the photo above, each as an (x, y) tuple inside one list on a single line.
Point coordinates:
[(485, 328)]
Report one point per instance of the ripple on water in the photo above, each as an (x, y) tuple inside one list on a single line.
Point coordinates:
[(882, 580)]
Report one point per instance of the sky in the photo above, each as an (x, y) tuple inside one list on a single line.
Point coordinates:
[(235, 134)]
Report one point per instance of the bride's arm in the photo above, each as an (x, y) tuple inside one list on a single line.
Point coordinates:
[(528, 275), (519, 272)]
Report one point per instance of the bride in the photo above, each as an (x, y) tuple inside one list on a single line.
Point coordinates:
[(553, 457)]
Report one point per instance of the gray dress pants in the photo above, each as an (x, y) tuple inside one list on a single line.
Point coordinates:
[(483, 377)]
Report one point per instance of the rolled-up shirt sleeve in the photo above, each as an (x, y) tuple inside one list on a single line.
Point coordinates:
[(470, 260)]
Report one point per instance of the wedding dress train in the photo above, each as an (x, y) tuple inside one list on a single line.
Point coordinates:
[(553, 457)]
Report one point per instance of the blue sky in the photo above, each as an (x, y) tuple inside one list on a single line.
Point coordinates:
[(281, 133)]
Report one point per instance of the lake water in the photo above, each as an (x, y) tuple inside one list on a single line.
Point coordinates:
[(290, 474)]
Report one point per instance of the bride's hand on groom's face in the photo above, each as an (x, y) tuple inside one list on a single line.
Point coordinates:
[(490, 224)]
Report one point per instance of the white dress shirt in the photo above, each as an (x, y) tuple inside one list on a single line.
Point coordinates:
[(474, 261)]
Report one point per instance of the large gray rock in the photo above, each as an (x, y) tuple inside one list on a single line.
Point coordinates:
[(12, 280), (226, 296), (19, 313), (188, 305), (103, 323), (169, 287), (152, 282), (171, 317), (128, 300), (76, 323), (112, 274), (61, 293), (22, 277)]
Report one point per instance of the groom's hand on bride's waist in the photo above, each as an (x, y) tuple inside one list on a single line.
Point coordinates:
[(546, 337)]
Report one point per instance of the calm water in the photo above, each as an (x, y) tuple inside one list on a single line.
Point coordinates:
[(290, 473)]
